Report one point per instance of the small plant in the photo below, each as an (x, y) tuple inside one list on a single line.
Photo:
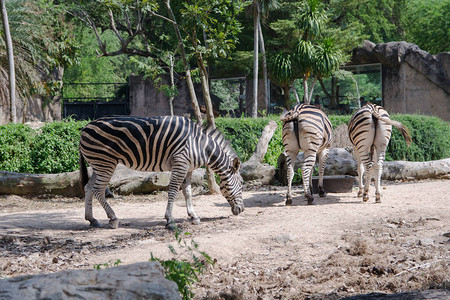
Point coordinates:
[(107, 264), (184, 271)]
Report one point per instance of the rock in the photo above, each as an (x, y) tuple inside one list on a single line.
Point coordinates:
[(255, 172), (136, 281)]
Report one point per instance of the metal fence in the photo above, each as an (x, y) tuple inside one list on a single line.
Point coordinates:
[(88, 101)]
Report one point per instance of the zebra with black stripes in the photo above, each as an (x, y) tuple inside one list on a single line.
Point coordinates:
[(156, 144), (306, 128), (370, 130)]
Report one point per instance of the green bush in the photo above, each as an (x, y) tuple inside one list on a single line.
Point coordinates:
[(54, 147), (430, 136), (50, 149), (15, 148), (243, 133)]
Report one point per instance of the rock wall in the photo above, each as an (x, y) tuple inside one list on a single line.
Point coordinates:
[(413, 80)]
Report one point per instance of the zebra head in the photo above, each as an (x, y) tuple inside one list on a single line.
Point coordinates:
[(231, 186)]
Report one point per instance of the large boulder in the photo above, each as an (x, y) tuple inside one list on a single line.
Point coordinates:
[(256, 173), (136, 281)]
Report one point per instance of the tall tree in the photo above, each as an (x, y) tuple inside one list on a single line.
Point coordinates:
[(43, 44), (11, 67), (312, 55)]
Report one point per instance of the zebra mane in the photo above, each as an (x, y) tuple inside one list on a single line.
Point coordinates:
[(220, 139)]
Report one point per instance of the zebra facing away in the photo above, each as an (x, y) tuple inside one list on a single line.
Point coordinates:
[(156, 144), (370, 130), (306, 128)]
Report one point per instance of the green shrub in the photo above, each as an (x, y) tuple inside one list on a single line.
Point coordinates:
[(187, 263), (244, 133), (430, 136), (15, 148), (56, 147)]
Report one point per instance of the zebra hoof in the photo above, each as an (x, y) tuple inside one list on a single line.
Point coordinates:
[(113, 224), (322, 192), (360, 193), (171, 226), (365, 198), (195, 220), (377, 198), (95, 223), (288, 201), (311, 200)]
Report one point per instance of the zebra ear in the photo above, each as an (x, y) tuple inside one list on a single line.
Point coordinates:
[(236, 163)]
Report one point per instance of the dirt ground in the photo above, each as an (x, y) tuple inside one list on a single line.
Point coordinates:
[(339, 247)]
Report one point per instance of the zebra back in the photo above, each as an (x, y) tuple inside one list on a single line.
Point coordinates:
[(367, 117), (307, 120)]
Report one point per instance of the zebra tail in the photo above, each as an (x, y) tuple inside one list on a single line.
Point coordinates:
[(84, 177), (403, 129)]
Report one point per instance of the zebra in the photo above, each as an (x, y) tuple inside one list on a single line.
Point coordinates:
[(370, 130), (156, 144), (306, 128)]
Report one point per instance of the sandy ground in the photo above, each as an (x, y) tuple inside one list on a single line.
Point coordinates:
[(339, 247)]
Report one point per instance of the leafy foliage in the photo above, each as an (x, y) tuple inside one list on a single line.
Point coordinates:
[(54, 147), (15, 148), (426, 24), (53, 154), (184, 271), (51, 149)]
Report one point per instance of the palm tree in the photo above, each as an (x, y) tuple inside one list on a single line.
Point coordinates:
[(283, 71), (12, 73)]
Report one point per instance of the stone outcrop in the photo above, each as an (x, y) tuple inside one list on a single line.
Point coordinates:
[(413, 80), (135, 281)]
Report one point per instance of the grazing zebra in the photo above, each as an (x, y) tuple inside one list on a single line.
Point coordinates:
[(370, 130), (306, 128), (156, 144)]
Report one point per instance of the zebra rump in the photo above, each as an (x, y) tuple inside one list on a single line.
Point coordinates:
[(370, 130), (156, 144), (306, 128)]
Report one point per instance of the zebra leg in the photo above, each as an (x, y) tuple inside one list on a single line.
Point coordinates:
[(187, 192), (360, 169), (88, 195), (100, 184), (307, 168), (290, 159), (179, 173), (368, 164), (323, 155), (378, 172)]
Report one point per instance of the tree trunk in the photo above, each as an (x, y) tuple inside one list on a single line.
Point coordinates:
[(189, 82), (287, 98), (305, 90), (10, 55), (263, 142), (266, 80), (212, 185), (172, 84), (297, 99), (255, 58)]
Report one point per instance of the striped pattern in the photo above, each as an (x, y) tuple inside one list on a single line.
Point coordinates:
[(370, 130), (306, 128), (156, 144)]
